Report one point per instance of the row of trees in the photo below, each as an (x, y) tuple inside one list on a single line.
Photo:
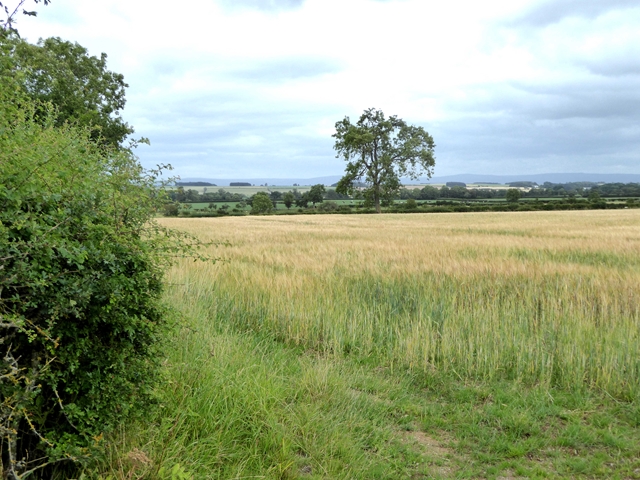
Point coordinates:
[(263, 205), (580, 189), (433, 193), (553, 190), (319, 193), (193, 196), (316, 194)]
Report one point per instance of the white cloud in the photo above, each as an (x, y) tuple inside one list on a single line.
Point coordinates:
[(521, 86)]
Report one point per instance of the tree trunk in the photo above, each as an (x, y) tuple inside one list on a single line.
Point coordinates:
[(376, 197)]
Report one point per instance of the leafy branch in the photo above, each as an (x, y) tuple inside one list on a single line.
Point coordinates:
[(8, 23)]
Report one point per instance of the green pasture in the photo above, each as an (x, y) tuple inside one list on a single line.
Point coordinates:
[(279, 205)]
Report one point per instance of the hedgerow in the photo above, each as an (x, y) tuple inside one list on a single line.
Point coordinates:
[(81, 266)]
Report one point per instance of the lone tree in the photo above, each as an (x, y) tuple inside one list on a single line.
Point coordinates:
[(379, 151), (261, 203), (288, 199), (316, 194), (513, 195)]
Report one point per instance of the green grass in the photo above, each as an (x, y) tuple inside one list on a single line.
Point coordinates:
[(279, 205), (241, 405)]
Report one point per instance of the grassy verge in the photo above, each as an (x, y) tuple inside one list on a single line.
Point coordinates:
[(246, 406)]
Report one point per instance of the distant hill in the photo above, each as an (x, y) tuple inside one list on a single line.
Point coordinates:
[(467, 178), (225, 182), (195, 184), (538, 178)]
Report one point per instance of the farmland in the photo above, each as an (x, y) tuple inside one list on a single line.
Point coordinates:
[(402, 346), (211, 202)]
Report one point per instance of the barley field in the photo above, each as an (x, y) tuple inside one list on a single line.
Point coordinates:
[(544, 298)]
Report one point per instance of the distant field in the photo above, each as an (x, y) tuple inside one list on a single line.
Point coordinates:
[(255, 189), (248, 191), (469, 186)]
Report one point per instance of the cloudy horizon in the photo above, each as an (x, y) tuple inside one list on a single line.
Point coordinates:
[(253, 88)]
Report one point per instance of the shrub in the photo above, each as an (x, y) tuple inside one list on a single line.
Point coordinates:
[(80, 286), (410, 204), (461, 208), (328, 206), (439, 209), (171, 209)]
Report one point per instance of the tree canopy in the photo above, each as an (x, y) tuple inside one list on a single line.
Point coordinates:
[(261, 203), (513, 195), (316, 193), (288, 198), (82, 89), (380, 151)]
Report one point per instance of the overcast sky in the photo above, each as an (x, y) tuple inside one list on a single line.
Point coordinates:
[(253, 88)]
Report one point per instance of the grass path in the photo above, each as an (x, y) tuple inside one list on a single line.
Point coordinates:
[(244, 406)]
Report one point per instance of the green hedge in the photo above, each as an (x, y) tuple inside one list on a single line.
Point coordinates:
[(81, 266)]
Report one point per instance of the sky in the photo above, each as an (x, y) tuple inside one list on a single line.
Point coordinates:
[(253, 88)]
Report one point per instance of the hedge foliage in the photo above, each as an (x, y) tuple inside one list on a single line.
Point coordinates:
[(81, 264)]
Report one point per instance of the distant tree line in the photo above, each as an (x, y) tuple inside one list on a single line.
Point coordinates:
[(317, 194), (583, 189), (193, 196), (586, 188)]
